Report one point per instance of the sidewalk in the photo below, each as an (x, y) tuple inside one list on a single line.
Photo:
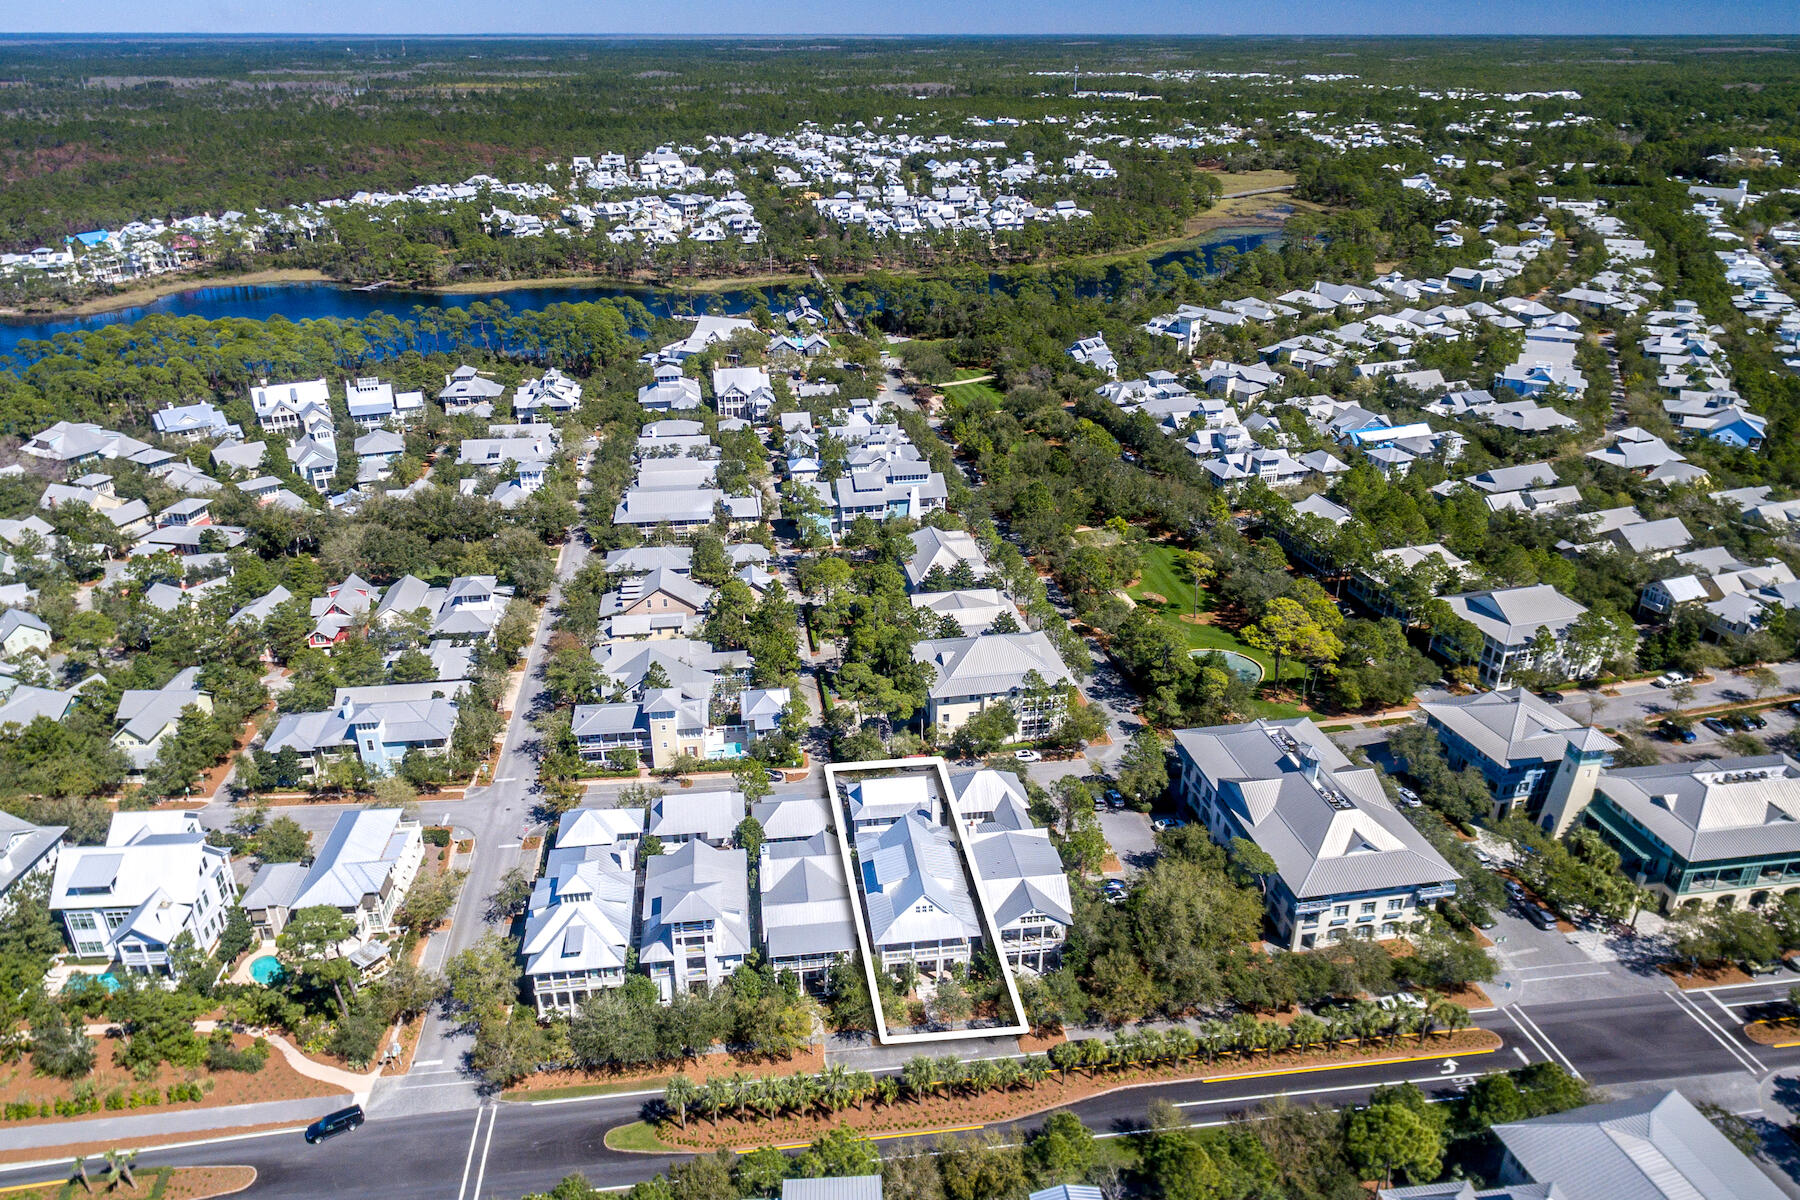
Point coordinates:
[(193, 1120)]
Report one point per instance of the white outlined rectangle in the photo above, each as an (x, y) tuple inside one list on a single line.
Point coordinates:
[(947, 794)]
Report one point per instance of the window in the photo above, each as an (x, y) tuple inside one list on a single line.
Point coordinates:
[(1396, 903), (1368, 906), (1342, 910)]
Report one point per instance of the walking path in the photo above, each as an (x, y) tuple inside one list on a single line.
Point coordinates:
[(357, 1085)]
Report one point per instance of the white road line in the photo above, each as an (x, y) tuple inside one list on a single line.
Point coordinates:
[(428, 1062), (1347, 1087), (469, 1159), (1522, 1059), (1727, 987), (1548, 1040), (486, 1145), (1694, 1015), (1570, 975), (1729, 1015), (1757, 1065), (1512, 1016)]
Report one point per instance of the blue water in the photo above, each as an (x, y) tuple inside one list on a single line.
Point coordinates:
[(266, 969), (317, 301), (1241, 665)]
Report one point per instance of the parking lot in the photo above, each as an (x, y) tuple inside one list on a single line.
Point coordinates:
[(1131, 838)]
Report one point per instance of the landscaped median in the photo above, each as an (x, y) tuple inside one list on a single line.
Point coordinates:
[(796, 1109), (1781, 1033), (150, 1183)]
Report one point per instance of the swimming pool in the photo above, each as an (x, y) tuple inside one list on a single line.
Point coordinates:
[(266, 969), (1241, 665)]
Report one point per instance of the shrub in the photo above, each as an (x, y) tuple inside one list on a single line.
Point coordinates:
[(436, 836), (221, 1055)]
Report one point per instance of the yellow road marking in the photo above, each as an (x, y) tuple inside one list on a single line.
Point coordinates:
[(1373, 1062)]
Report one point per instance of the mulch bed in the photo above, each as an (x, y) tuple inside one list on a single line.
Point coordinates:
[(707, 1066), (1782, 1031), (942, 1111), (162, 1183), (1704, 977), (276, 1081)]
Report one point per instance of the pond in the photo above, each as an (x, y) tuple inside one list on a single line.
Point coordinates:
[(1241, 665), (265, 969), (314, 301)]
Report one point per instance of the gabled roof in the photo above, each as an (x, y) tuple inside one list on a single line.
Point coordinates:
[(1507, 727), (990, 664)]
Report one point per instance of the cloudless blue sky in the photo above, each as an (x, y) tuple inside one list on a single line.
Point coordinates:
[(711, 17)]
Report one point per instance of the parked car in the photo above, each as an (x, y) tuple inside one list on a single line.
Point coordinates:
[(1028, 756), (1752, 721), (332, 1124), (1717, 726), (1677, 733), (1795, 708), (1398, 1000), (1407, 796), (1540, 916), (1114, 798), (1792, 964), (1671, 679)]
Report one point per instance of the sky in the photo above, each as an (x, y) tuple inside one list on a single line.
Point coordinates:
[(715, 17)]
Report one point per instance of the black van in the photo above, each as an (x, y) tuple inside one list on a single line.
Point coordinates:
[(332, 1124)]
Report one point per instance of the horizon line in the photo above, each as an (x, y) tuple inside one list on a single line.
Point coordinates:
[(916, 35)]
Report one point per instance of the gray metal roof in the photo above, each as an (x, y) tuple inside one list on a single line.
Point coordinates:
[(1506, 727), (848, 1187), (1328, 825), (1653, 1147), (1714, 809)]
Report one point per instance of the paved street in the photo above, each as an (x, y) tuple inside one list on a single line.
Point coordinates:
[(1630, 1043)]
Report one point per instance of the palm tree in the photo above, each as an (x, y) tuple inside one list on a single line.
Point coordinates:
[(713, 1097), (1212, 1037), (862, 1086), (1035, 1070), (834, 1087), (1181, 1044), (1246, 1034), (1307, 1031), (887, 1091), (1454, 1017), (983, 1076), (78, 1171), (740, 1093), (1064, 1055), (920, 1074), (678, 1093)]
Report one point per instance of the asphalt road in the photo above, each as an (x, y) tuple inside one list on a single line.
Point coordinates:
[(506, 1150)]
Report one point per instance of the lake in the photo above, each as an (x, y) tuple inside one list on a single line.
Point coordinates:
[(316, 301)]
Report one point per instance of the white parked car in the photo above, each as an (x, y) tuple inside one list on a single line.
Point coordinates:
[(1399, 1000), (1028, 756), (1671, 679)]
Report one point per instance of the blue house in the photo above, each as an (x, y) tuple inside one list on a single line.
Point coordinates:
[(1514, 739)]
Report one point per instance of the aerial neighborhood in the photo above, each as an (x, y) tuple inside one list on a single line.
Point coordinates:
[(868, 624)]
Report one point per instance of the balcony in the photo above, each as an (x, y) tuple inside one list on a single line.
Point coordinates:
[(1437, 891)]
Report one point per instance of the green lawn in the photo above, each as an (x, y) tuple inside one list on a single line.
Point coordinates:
[(635, 1136), (971, 391), (1162, 575)]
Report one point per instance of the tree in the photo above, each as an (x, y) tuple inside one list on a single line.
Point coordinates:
[(1180, 1167), (1062, 1149), (1763, 680), (678, 1094), (986, 731), (59, 1050), (1289, 629), (429, 900), (950, 1005), (1398, 1130), (1254, 861), (511, 894), (752, 779), (308, 946), (1143, 768), (283, 840), (749, 838)]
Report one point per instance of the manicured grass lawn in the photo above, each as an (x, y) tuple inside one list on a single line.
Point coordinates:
[(635, 1136), (1162, 574), (971, 391)]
